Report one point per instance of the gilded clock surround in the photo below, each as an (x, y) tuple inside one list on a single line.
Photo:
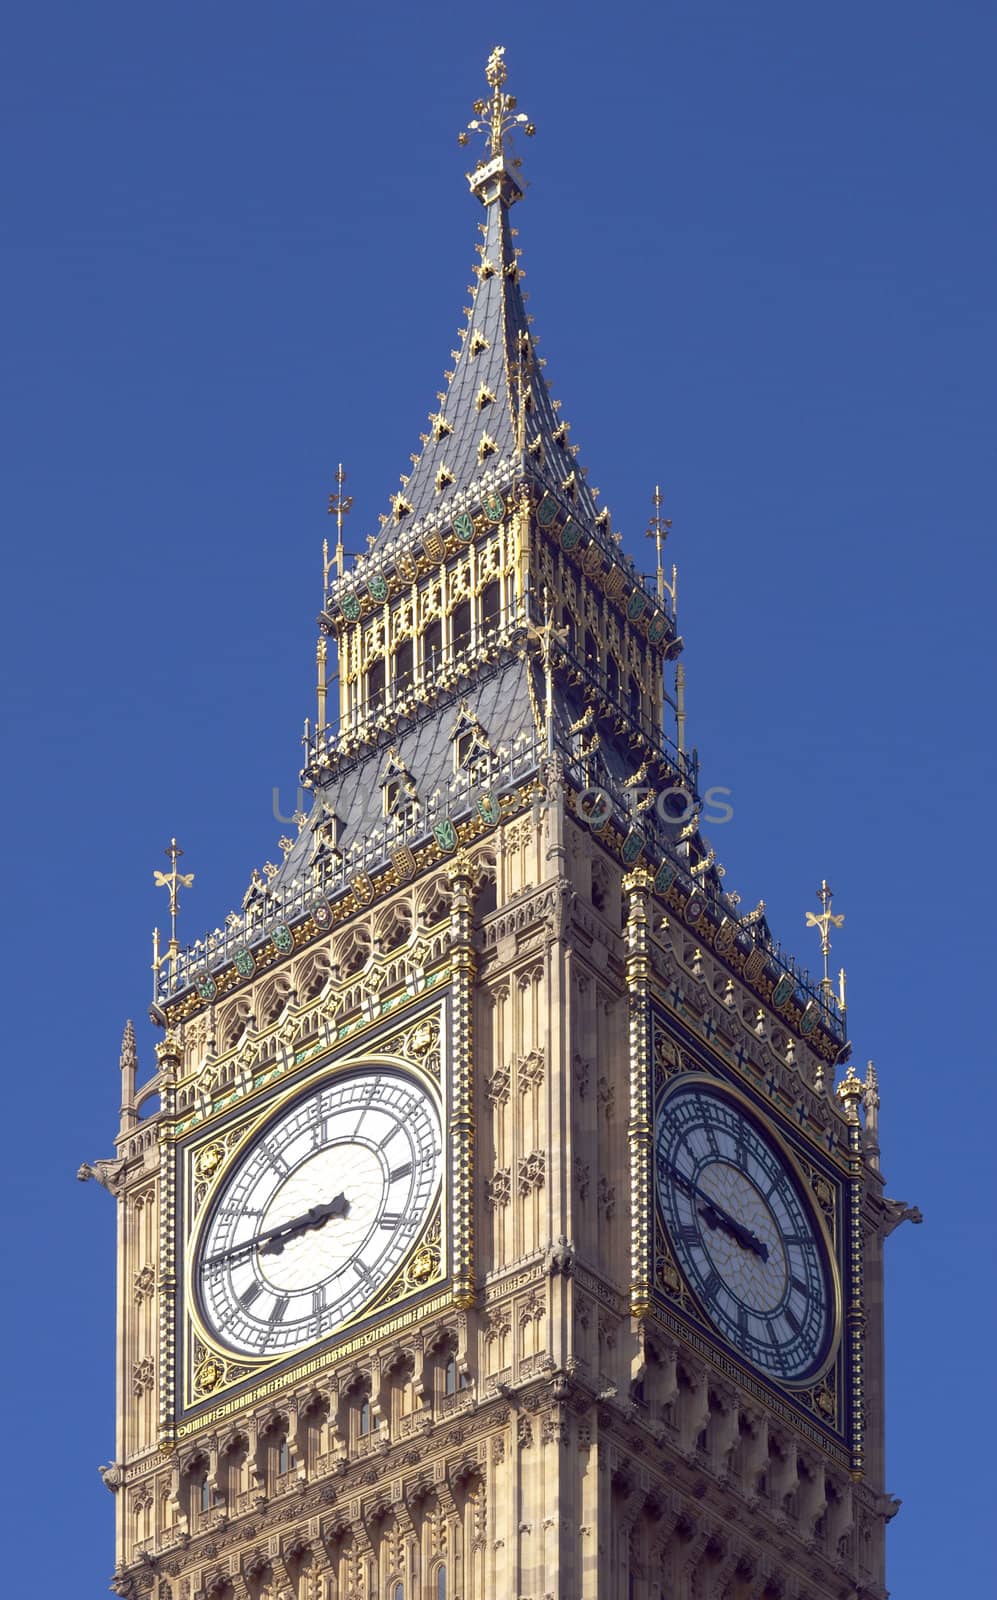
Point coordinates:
[(535, 1404)]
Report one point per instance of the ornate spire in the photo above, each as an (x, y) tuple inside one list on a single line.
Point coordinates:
[(494, 422)]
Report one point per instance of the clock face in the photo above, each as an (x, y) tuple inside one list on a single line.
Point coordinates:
[(748, 1243), (318, 1212)]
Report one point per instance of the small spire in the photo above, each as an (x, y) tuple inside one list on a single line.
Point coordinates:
[(339, 507), (496, 118), (825, 920), (174, 881), (129, 1052), (658, 529)]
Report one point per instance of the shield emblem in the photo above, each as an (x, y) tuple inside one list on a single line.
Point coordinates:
[(570, 534), (322, 914), (445, 834), (363, 888), (664, 878), (245, 962), (636, 605), (754, 966), (435, 548), (403, 861), (725, 936), (694, 907), (783, 991), (206, 986), (405, 566), (598, 810), (657, 627), (632, 847), (488, 809), (378, 587), (547, 511), (494, 507), (463, 527), (351, 607), (614, 582), (810, 1017), (283, 939)]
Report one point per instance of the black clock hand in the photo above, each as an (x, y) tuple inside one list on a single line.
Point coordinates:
[(272, 1240), (716, 1217)]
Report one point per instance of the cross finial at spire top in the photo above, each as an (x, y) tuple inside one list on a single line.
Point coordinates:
[(497, 118)]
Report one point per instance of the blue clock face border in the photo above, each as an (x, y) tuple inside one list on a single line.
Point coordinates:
[(738, 1224)]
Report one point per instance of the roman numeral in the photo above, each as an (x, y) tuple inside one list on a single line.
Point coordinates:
[(712, 1285), (249, 1294), (803, 1288), (390, 1219), (793, 1323), (278, 1310), (401, 1172), (689, 1233)]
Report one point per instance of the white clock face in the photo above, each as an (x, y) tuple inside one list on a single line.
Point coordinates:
[(319, 1212), (747, 1242)]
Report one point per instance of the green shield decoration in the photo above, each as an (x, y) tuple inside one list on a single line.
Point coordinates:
[(463, 527), (784, 990), (570, 534), (632, 847), (378, 587), (351, 607), (494, 507), (445, 834), (206, 986), (283, 939), (245, 963), (636, 605), (488, 809), (547, 511), (664, 878)]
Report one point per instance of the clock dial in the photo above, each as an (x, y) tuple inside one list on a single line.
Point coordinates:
[(746, 1239), (319, 1212)]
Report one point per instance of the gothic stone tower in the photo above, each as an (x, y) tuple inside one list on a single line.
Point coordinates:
[(492, 1225)]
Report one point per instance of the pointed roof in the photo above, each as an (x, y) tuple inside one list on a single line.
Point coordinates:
[(495, 422)]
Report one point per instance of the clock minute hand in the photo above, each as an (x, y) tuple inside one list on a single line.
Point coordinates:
[(271, 1241)]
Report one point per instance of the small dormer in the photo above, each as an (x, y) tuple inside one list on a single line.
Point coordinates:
[(472, 749), (398, 790)]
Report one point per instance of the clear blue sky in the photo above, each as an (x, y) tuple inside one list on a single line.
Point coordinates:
[(760, 245)]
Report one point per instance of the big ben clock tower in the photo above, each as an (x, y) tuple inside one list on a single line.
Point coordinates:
[(503, 1217)]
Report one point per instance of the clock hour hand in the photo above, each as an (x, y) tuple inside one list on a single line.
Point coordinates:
[(272, 1240), (313, 1218), (715, 1216)]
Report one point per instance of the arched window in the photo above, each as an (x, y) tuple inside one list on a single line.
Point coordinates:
[(432, 646), (460, 625), (491, 605), (283, 1456), (205, 1492), (375, 685), (401, 666), (635, 699), (441, 1583), (367, 1421), (398, 1591), (612, 678), (450, 1376)]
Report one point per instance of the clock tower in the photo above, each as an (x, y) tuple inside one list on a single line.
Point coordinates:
[(503, 1217)]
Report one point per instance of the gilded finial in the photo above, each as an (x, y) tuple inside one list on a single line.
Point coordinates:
[(497, 118), (850, 1091), (174, 881), (339, 507), (658, 529), (825, 920)]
